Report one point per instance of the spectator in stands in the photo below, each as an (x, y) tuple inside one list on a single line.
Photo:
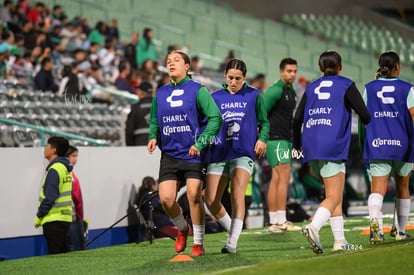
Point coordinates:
[(35, 15), (195, 65), (259, 82), (134, 78), (164, 78), (56, 16), (112, 30), (231, 156), (137, 123), (70, 37), (93, 53), (325, 142), (230, 55), (146, 48), (55, 37), (107, 60), (4, 55), (79, 55), (69, 80), (29, 35), (121, 82), (76, 230), (24, 6), (70, 86), (37, 57), (27, 60), (92, 83), (180, 159), (20, 16), (86, 29), (7, 11), (98, 34), (130, 52), (55, 206), (44, 79), (149, 71)]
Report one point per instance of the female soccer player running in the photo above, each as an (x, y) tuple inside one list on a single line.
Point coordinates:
[(232, 155), (389, 145), (179, 113), (325, 111)]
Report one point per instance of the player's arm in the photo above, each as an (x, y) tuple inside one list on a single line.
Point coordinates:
[(410, 103), (272, 96), (297, 123), (354, 99), (154, 128), (263, 123)]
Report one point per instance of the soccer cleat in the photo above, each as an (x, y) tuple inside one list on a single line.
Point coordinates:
[(375, 237), (402, 236), (289, 226), (344, 245), (393, 231), (313, 238), (181, 241), (198, 250), (274, 228), (228, 249)]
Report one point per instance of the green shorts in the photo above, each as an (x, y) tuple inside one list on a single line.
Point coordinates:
[(226, 167), (279, 152), (380, 168), (327, 168)]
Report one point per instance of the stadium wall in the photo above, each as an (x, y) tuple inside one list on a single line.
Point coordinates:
[(106, 175)]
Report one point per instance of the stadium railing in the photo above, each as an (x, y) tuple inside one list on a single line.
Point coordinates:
[(43, 131)]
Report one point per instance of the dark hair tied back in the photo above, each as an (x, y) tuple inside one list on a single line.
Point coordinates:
[(330, 62), (236, 64), (387, 62)]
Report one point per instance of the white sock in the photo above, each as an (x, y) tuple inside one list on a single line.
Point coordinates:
[(198, 232), (273, 217), (180, 222), (225, 221), (320, 218), (374, 205), (236, 228), (403, 212), (337, 227), (281, 217)]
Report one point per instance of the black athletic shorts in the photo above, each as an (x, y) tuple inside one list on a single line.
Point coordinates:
[(180, 170)]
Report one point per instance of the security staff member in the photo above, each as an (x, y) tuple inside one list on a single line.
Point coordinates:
[(55, 200)]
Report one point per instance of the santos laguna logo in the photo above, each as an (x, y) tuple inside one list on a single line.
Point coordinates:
[(174, 102), (385, 142)]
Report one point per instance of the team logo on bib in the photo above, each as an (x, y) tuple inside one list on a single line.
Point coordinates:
[(174, 102), (386, 89)]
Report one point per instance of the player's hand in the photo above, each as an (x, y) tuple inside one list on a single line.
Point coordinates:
[(152, 144), (260, 149), (194, 151)]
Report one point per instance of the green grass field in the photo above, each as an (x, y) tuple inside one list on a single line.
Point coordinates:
[(259, 252)]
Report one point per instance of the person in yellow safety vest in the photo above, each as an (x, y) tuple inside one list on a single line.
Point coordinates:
[(55, 201)]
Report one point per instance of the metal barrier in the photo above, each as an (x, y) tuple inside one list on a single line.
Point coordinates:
[(43, 131)]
